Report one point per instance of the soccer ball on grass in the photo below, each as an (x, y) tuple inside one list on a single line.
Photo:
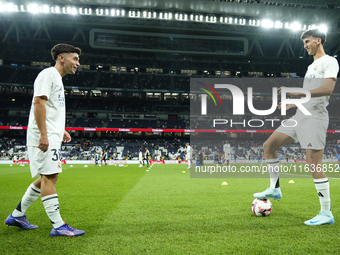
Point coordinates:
[(262, 207)]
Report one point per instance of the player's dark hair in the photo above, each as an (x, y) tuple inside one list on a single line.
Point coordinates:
[(316, 33), (63, 48)]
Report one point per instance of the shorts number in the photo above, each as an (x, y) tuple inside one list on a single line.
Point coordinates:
[(56, 155)]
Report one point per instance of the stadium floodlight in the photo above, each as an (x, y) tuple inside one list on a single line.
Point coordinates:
[(69, 10), (267, 23), (242, 21), (2, 7), (85, 11), (210, 18), (117, 12), (72, 10), (287, 25), (10, 7), (55, 9), (278, 24), (33, 8), (295, 26), (181, 16), (134, 14), (323, 28), (165, 15), (99, 11), (230, 20), (45, 9)]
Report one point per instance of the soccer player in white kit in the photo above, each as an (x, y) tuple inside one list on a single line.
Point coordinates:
[(140, 158), (15, 159), (188, 156), (45, 133), (311, 129), (227, 152)]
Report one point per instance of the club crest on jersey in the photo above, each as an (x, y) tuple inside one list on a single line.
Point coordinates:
[(316, 68), (59, 165)]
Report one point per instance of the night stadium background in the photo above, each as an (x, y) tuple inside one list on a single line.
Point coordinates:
[(132, 89)]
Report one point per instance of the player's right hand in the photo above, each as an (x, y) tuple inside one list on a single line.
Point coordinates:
[(43, 143)]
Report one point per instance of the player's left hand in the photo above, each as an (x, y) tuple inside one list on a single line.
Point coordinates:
[(67, 137)]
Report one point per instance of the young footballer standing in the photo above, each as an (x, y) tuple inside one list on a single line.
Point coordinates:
[(45, 133), (310, 130)]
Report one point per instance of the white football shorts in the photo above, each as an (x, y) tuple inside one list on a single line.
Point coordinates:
[(45, 163), (227, 157), (310, 133)]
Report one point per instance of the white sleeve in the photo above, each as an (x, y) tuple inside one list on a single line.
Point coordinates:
[(331, 68), (43, 85)]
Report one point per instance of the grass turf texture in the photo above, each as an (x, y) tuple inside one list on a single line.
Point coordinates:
[(130, 211)]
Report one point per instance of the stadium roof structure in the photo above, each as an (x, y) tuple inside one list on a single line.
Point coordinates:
[(271, 27)]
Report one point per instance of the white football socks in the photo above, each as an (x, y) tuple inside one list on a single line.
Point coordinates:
[(51, 205), (273, 168), (322, 187), (31, 194)]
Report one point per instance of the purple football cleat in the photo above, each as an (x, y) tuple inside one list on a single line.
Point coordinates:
[(20, 222), (66, 230)]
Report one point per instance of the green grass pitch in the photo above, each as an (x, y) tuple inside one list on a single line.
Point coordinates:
[(130, 211)]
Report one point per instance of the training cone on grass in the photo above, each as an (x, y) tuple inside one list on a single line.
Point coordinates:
[(291, 181), (224, 183), (183, 172)]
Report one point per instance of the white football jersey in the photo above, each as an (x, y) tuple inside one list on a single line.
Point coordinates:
[(48, 83), (140, 156), (188, 155), (318, 71), (188, 150), (226, 148)]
